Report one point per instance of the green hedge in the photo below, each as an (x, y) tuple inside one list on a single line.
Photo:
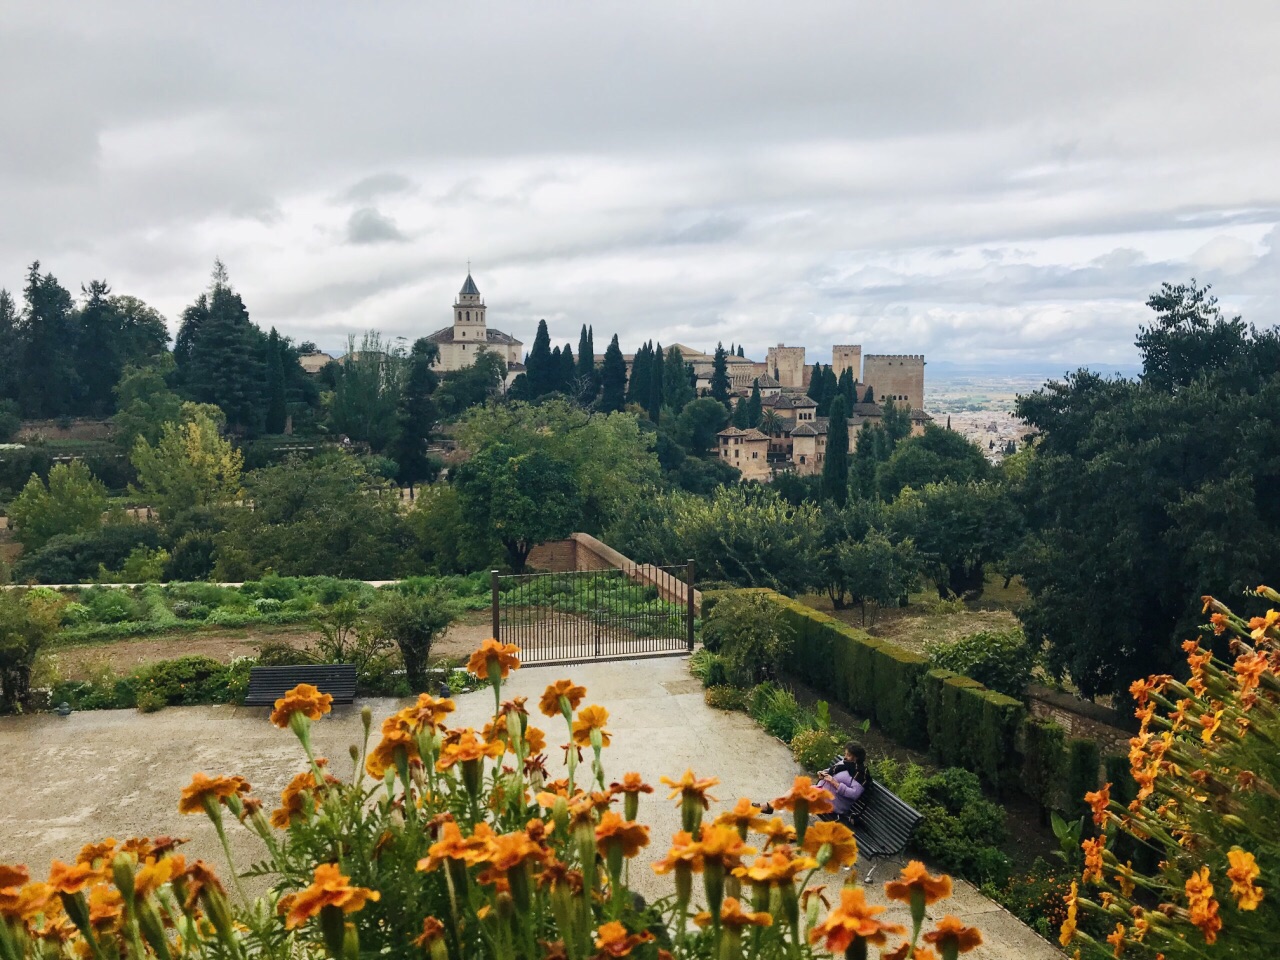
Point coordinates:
[(1044, 756), (1084, 762), (973, 727)]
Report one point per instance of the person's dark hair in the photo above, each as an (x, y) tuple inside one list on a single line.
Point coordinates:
[(857, 751)]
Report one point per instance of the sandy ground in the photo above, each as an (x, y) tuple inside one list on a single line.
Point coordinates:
[(119, 773)]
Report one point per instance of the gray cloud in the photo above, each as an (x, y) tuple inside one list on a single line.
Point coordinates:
[(971, 181)]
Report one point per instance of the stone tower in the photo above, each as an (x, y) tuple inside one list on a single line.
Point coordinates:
[(900, 376), (468, 314), (847, 357), (786, 365)]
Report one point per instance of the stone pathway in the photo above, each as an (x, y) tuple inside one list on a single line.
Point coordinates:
[(119, 773)]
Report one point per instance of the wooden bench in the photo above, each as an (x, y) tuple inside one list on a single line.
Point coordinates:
[(884, 824), (269, 684)]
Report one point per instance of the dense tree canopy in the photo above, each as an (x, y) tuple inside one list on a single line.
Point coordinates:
[(936, 455)]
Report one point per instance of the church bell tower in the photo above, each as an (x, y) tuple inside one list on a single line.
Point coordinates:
[(468, 314)]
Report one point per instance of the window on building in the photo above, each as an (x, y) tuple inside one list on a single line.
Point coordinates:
[(755, 454), (802, 458)]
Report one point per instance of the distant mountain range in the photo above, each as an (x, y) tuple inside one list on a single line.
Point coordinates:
[(955, 370)]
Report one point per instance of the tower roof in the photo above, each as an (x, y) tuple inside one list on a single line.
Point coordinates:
[(469, 288)]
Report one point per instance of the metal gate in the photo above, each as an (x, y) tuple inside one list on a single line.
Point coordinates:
[(640, 611)]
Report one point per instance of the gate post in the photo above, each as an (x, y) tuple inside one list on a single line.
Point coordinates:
[(493, 586), (688, 589)]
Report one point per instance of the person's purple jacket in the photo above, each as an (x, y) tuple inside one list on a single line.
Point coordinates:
[(844, 791)]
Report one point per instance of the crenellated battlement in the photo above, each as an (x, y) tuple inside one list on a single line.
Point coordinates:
[(914, 357)]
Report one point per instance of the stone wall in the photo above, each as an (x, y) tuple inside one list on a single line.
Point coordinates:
[(847, 357), (581, 551), (897, 376), (1083, 720), (787, 365)]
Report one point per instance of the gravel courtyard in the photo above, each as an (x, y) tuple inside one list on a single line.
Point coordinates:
[(66, 781)]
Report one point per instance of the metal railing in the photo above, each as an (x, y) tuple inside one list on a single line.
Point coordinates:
[(610, 614)]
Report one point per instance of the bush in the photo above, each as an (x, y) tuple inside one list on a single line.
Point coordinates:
[(1044, 756), (187, 610), (777, 711), (999, 660), (149, 701), (27, 622), (75, 558), (273, 653), (110, 605), (814, 749), (973, 727), (727, 698), (750, 635), (186, 680), (1037, 897), (1084, 760)]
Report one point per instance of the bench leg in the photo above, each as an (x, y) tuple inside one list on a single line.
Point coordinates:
[(876, 861)]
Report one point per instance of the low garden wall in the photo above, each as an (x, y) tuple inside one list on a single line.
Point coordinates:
[(581, 551), (958, 720)]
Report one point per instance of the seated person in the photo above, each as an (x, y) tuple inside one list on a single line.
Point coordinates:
[(846, 780)]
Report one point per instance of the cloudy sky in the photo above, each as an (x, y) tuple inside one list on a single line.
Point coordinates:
[(977, 181)]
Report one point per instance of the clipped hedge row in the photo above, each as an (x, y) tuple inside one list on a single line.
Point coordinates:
[(960, 721)]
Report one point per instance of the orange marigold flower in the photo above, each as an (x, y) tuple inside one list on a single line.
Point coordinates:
[(91, 853), (630, 783), (66, 878), (588, 719), (198, 878), (1202, 907), (776, 832), (775, 867), (26, 901), (1067, 932), (304, 699), (1124, 879), (1141, 691), (1116, 939), (723, 845), (13, 876), (293, 798), (432, 931), (952, 936), (1210, 722), (612, 939), (467, 746), (453, 846), (1219, 623), (853, 919), (903, 952), (503, 656), (506, 851), (202, 788), (383, 757), (1092, 859), (1249, 670), (106, 905), (684, 851), (1098, 802), (550, 702), (1242, 874), (915, 880), (429, 713), (744, 816), (627, 834), (329, 888), (805, 793), (837, 839), (1259, 626), (733, 916), (689, 787)]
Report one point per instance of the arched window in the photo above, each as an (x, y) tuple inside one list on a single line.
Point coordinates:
[(468, 316)]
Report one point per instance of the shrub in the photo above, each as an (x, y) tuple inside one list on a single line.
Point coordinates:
[(1084, 760), (267, 605), (751, 635), (188, 610), (149, 701), (777, 711), (1044, 755), (273, 653), (412, 622), (110, 605), (27, 622), (186, 680), (1000, 660), (75, 558), (814, 749), (727, 698), (75, 614), (1037, 897), (224, 617), (973, 727)]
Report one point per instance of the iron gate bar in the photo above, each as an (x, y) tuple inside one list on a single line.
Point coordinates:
[(583, 615)]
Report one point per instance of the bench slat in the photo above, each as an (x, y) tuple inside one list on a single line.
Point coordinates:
[(269, 684), (886, 823)]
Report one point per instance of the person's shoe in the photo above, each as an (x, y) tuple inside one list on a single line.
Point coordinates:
[(767, 808)]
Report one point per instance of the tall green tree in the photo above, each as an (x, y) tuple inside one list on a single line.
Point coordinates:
[(740, 418), (844, 387), (471, 386), (114, 332), (221, 356), (192, 467), (657, 378), (539, 369), (677, 381), (755, 405), (638, 382), (416, 414), (363, 407), (936, 455), (698, 424), (588, 378), (72, 502), (896, 422), (144, 403), (835, 465), (277, 404), (613, 379), (720, 375), (568, 372), (27, 622), (10, 348), (47, 332)]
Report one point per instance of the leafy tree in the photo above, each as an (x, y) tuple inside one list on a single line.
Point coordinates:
[(27, 622), (539, 371), (10, 348), (703, 476), (896, 422), (412, 621), (47, 334), (191, 466), (523, 498), (416, 415), (698, 424), (471, 386), (936, 455), (326, 515), (72, 502), (441, 536), (565, 381), (840, 525), (755, 404), (144, 403), (720, 376), (610, 456), (76, 557), (835, 466), (10, 420), (677, 381), (277, 403), (221, 356), (613, 379), (870, 396), (1160, 489), (751, 635), (364, 403), (878, 570), (740, 418), (958, 529), (114, 332)]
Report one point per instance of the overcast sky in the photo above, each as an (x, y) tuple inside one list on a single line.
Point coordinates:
[(974, 181)]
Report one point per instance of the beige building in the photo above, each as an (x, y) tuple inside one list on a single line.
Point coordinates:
[(470, 334), (747, 450), (900, 376)]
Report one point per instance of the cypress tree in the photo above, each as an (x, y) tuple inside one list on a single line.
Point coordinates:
[(568, 371), (586, 383), (657, 374), (845, 386), (677, 381), (613, 379), (755, 406), (277, 408), (10, 347), (416, 414), (871, 395), (741, 352), (47, 333), (740, 418), (835, 466), (539, 369), (638, 384), (720, 376)]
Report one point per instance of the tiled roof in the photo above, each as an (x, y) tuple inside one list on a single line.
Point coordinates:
[(492, 336)]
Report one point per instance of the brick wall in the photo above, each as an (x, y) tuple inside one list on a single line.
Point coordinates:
[(1082, 719), (581, 551)]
